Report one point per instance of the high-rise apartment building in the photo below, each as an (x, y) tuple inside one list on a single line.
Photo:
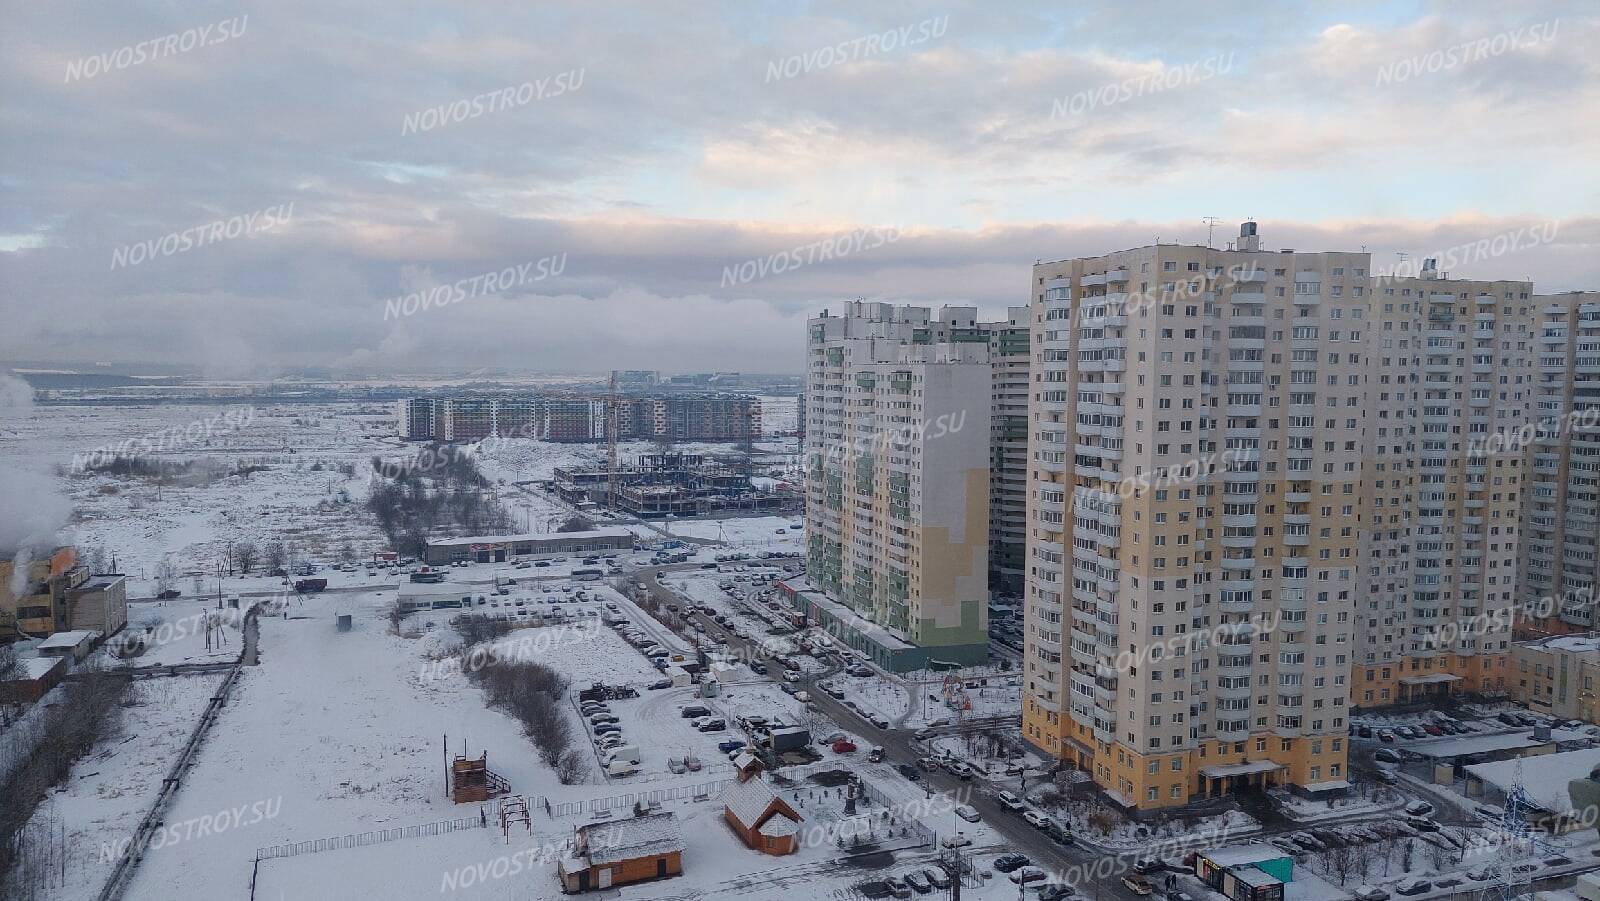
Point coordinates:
[(1009, 359), (674, 417), (1194, 470), (897, 484), (1560, 529), (1450, 383)]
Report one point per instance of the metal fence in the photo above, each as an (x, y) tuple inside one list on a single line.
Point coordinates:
[(676, 793), (373, 837)]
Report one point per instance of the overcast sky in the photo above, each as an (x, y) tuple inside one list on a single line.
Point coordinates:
[(674, 142)]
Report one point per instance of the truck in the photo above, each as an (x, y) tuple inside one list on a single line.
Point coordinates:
[(310, 586)]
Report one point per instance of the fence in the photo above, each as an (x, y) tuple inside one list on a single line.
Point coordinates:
[(676, 793), (372, 837), (122, 871)]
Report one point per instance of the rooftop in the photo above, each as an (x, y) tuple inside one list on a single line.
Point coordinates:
[(66, 640), (646, 836), (1544, 777), (1243, 855), (529, 536)]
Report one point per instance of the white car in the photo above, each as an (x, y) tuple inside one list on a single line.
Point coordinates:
[(958, 840), (1010, 801), (967, 812), (1035, 818)]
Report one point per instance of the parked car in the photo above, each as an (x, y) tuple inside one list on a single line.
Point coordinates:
[(844, 746), (1055, 891), (1005, 863), (1138, 884), (967, 812), (957, 840), (1413, 886), (659, 684), (1484, 873), (1385, 735), (1387, 777), (676, 765), (1371, 893), (1025, 875), (1387, 755), (936, 877), (919, 882), (1419, 809), (1010, 802), (1034, 818)]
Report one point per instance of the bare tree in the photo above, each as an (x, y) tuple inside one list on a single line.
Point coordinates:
[(347, 552), (277, 555), (245, 554), (1339, 862), (166, 575), (570, 771)]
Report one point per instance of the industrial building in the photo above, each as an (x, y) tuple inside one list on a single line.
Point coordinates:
[(574, 418), (60, 595), (500, 548), (655, 486), (897, 484)]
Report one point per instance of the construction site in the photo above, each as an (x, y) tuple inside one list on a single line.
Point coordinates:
[(655, 486)]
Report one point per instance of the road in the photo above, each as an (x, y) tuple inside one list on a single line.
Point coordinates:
[(902, 748)]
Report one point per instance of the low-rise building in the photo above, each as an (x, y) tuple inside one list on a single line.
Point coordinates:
[(73, 645), (33, 677), (500, 548), (760, 817), (1252, 872), (612, 853), (1557, 676)]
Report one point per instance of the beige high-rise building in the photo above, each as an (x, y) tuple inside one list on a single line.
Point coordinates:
[(1194, 471), (1560, 530), (1450, 384), (897, 483)]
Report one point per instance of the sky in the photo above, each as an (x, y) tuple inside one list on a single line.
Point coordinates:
[(253, 188)]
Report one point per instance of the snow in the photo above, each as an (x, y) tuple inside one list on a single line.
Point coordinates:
[(108, 792), (1544, 777)]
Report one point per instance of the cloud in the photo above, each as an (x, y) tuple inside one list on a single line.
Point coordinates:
[(677, 158)]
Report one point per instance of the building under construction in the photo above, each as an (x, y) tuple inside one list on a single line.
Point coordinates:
[(581, 418), (655, 486)]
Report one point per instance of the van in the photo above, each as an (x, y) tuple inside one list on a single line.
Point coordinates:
[(628, 753), (621, 768)]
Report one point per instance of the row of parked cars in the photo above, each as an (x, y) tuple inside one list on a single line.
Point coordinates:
[(617, 756), (920, 881)]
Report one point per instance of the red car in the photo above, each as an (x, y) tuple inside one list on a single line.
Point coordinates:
[(1433, 730), (843, 747)]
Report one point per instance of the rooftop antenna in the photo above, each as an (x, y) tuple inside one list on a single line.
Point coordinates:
[(1211, 225)]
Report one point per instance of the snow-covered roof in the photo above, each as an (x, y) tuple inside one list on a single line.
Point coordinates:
[(1479, 744), (1544, 777), (31, 668), (748, 800), (1573, 644), (67, 640), (1240, 769), (1243, 855), (744, 759), (635, 837)]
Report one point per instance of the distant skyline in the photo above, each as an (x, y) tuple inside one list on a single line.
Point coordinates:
[(671, 155)]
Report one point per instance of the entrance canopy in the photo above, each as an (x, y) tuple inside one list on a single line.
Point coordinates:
[(1430, 679), (1240, 769)]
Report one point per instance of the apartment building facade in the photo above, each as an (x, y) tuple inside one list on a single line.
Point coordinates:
[(1194, 469), (1010, 355), (1450, 382), (681, 417), (897, 485), (1561, 534)]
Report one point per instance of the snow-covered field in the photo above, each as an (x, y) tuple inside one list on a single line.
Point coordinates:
[(102, 801)]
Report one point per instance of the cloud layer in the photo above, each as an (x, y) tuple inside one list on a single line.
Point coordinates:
[(677, 157)]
